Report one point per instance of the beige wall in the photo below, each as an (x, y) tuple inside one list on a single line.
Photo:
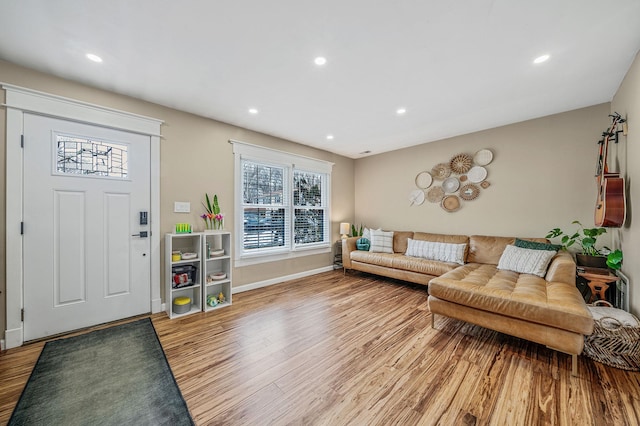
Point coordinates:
[(196, 158), (627, 103), (541, 178)]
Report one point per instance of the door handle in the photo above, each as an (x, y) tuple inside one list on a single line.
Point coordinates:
[(142, 234)]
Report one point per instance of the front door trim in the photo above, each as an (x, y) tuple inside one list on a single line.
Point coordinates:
[(20, 100)]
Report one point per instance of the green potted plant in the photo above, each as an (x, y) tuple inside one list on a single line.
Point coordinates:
[(614, 259), (357, 232), (590, 255)]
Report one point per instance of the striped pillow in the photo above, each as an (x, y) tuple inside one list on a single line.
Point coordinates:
[(525, 261), (444, 252), (381, 241)]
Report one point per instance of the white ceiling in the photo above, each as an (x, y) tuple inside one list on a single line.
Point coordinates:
[(456, 66)]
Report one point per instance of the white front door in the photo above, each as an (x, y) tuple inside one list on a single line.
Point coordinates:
[(84, 260)]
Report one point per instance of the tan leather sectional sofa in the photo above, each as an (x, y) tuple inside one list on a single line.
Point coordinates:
[(548, 310)]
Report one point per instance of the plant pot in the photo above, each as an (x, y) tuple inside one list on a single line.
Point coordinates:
[(591, 261)]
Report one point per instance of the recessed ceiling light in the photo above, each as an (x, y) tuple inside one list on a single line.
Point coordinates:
[(401, 111), (94, 58), (253, 111), (330, 137), (541, 59), (320, 60)]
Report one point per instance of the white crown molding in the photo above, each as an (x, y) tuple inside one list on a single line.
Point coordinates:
[(33, 101)]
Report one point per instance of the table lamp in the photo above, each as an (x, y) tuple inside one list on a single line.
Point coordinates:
[(344, 229)]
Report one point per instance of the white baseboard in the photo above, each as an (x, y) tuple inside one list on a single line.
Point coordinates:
[(272, 281), (279, 280), (13, 338), (156, 306), (1, 344)]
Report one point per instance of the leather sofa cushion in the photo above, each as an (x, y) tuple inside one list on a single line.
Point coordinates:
[(523, 296), (380, 259), (423, 266), (400, 239), (488, 249), (441, 238), (402, 262)]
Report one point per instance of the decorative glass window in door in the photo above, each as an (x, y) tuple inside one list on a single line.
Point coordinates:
[(81, 156)]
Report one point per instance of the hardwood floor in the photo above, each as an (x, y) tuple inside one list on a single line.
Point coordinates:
[(358, 349)]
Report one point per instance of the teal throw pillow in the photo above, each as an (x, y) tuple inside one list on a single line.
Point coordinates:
[(533, 245), (363, 244)]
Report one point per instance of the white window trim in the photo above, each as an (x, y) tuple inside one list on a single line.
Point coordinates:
[(247, 151)]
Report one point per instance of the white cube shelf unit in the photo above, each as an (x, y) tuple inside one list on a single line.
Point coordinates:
[(183, 277), (216, 269), (206, 275)]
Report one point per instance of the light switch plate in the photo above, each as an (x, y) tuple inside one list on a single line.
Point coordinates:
[(181, 207)]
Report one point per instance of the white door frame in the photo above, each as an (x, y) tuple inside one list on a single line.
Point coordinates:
[(20, 100)]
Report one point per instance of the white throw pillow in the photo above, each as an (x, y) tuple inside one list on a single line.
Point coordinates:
[(444, 252), (381, 241), (366, 233), (525, 261)]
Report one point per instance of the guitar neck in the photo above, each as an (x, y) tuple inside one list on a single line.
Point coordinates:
[(604, 169)]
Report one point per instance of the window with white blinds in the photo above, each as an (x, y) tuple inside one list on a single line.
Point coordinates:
[(309, 207), (282, 203), (265, 207)]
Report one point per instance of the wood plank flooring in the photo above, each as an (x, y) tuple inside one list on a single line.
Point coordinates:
[(337, 349)]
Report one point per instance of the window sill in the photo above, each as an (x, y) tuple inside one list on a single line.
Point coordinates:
[(257, 259)]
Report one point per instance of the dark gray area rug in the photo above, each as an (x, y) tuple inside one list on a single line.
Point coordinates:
[(114, 376)]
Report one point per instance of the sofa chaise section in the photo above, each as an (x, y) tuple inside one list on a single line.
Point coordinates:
[(548, 310)]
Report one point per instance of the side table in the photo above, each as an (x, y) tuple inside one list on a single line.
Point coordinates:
[(337, 255), (598, 282)]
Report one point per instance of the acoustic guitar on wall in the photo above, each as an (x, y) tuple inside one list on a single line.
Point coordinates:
[(610, 204)]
